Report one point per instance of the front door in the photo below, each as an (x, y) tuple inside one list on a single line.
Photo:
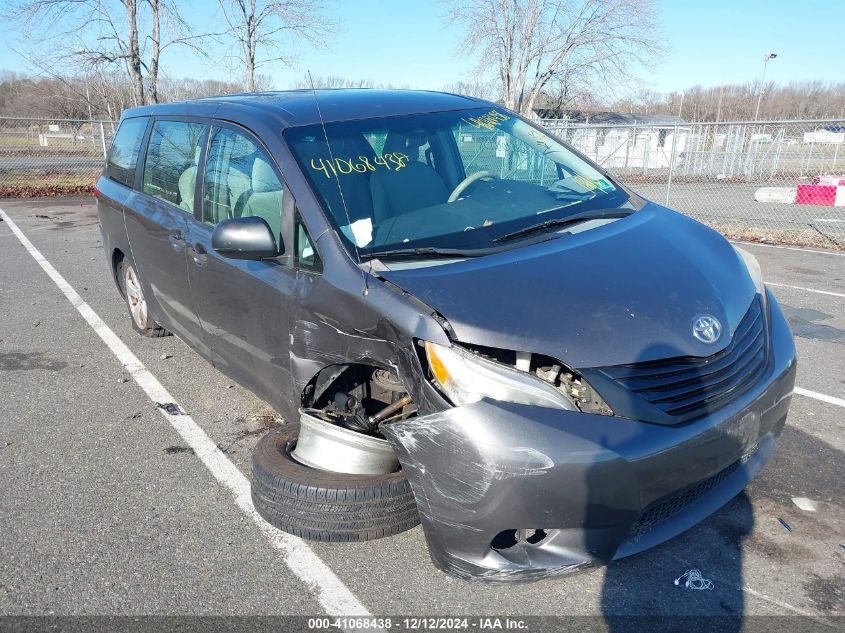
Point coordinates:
[(157, 220), (243, 306)]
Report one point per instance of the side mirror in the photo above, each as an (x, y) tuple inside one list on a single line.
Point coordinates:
[(244, 238)]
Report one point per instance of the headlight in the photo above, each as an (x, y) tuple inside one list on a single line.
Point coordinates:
[(753, 267), (466, 377)]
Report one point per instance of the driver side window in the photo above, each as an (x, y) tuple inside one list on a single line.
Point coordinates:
[(240, 181)]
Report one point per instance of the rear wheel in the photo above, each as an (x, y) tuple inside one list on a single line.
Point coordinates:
[(136, 303), (321, 505)]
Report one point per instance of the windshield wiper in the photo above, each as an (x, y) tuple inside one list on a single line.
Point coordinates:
[(595, 214), (423, 251)]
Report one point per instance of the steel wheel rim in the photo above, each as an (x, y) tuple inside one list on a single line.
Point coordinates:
[(324, 446), (135, 298)]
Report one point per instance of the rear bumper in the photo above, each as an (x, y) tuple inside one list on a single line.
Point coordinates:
[(599, 487)]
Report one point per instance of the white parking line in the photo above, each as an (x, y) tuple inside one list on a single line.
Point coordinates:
[(789, 248), (333, 596), (820, 292), (839, 402)]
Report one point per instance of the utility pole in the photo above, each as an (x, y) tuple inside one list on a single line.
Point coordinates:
[(766, 59)]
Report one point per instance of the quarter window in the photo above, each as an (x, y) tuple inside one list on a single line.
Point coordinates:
[(170, 170), (123, 155), (240, 182), (306, 254)]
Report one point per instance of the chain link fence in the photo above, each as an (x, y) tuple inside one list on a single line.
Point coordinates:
[(51, 155), (748, 180), (771, 180)]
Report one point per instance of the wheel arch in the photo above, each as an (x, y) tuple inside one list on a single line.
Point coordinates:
[(117, 257), (323, 380)]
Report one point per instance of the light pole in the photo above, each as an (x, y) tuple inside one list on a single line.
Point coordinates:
[(766, 59)]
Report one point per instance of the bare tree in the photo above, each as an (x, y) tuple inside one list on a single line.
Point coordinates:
[(130, 52), (155, 51), (166, 13), (85, 35), (263, 25), (94, 35), (531, 44), (172, 89), (334, 81), (567, 91), (337, 81), (480, 89)]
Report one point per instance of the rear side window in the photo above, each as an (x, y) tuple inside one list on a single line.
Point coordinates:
[(170, 169), (123, 155)]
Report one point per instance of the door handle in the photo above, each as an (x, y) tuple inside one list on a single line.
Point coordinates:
[(198, 254), (177, 240)]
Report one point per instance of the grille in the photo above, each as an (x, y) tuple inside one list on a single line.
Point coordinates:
[(694, 386), (669, 506)]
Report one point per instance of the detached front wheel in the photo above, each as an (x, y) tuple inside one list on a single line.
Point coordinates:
[(321, 505), (136, 303)]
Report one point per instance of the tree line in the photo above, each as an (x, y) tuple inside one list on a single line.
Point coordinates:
[(98, 96), (797, 100), (98, 57)]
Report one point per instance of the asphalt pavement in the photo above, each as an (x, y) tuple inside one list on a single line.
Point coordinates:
[(107, 508)]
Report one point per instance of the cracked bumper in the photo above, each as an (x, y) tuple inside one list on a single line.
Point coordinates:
[(599, 487)]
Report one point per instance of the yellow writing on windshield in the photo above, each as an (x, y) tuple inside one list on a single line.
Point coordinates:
[(392, 161), (488, 121)]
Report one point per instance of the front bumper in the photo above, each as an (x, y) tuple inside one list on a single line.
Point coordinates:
[(598, 487)]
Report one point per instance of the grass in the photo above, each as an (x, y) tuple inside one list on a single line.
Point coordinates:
[(47, 180), (11, 143), (17, 140)]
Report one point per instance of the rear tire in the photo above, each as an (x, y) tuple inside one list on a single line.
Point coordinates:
[(319, 505), (135, 302)]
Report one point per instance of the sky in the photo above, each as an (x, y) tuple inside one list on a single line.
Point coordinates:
[(410, 43)]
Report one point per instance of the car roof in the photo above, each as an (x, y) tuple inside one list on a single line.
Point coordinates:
[(299, 107)]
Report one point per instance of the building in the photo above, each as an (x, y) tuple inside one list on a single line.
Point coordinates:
[(620, 140)]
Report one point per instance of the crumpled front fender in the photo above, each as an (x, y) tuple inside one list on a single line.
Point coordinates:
[(483, 468)]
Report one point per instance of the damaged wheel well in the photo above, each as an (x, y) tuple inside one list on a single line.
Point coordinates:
[(359, 396)]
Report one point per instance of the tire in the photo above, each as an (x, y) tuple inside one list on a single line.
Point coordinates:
[(319, 505), (130, 287)]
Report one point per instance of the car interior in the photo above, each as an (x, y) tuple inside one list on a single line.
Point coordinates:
[(416, 185), (381, 193), (240, 182)]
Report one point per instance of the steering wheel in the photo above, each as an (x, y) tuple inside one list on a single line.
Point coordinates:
[(466, 182)]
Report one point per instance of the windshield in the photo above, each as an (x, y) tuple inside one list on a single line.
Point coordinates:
[(460, 180)]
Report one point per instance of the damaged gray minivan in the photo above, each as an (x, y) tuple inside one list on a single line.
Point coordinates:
[(465, 323)]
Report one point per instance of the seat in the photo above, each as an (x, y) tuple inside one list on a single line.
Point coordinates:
[(238, 178), (263, 199), (188, 184), (415, 186)]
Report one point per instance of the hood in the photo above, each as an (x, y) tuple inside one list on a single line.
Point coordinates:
[(624, 292)]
